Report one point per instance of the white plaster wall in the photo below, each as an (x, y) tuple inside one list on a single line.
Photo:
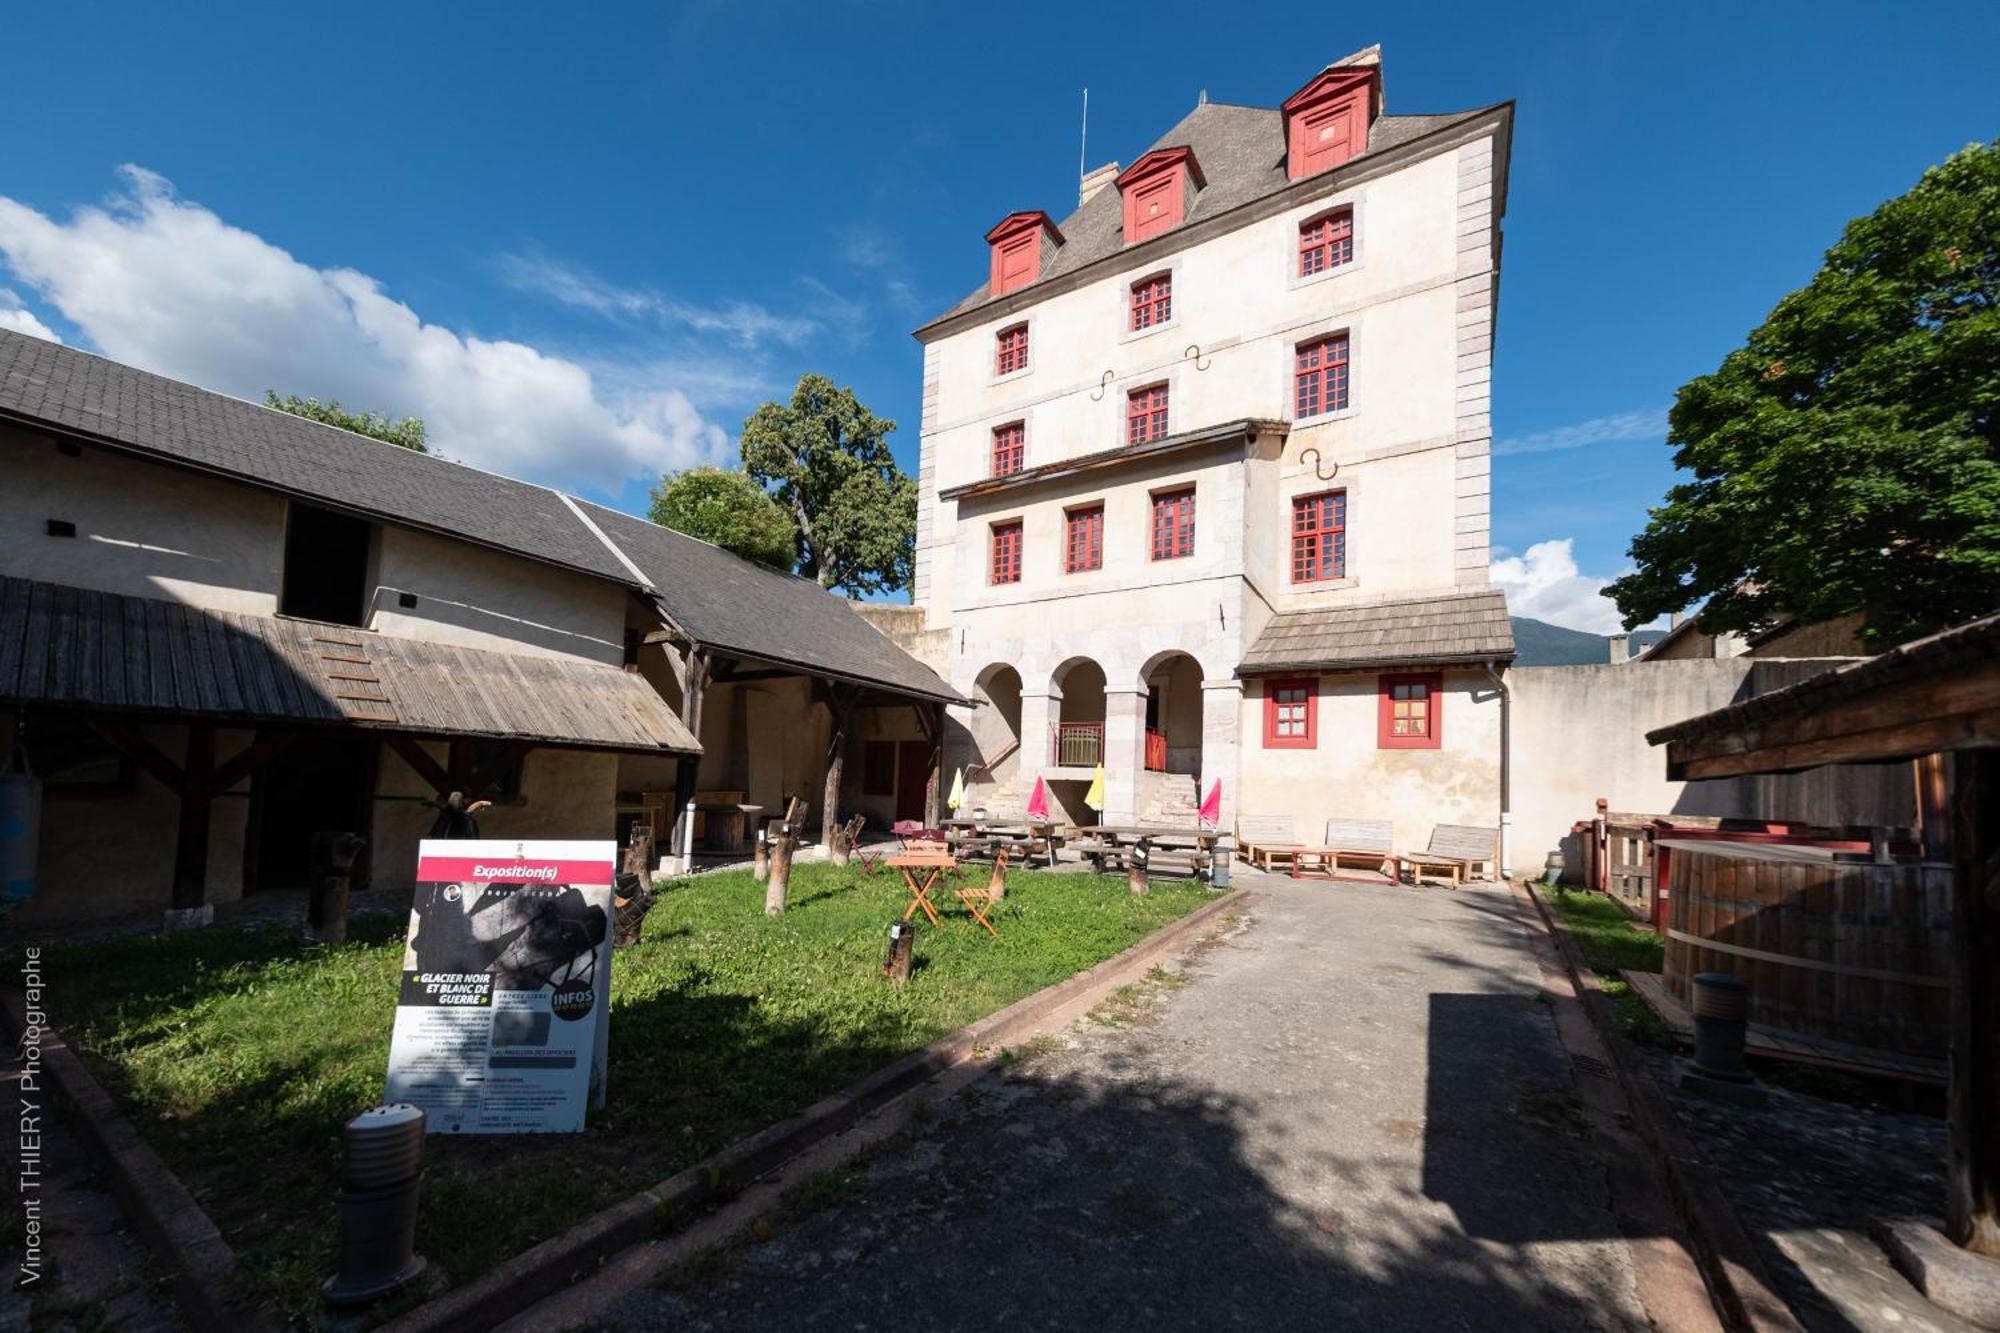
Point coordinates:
[(479, 598), (1347, 776), (142, 530)]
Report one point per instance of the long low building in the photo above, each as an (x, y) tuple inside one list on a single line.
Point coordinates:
[(224, 629)]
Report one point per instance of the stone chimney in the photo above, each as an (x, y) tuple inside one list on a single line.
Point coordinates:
[(1674, 620), (1621, 649), (1094, 181)]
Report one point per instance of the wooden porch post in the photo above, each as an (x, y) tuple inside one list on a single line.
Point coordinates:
[(189, 905), (841, 700), (932, 716), (1972, 1111), (686, 771)]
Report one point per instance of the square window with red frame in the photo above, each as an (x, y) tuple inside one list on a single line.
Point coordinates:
[(1006, 563), (1146, 414), (1011, 350), (1009, 442), (1410, 712), (1083, 539), (1173, 524), (1291, 714), (1319, 537), (1320, 379), (1326, 243), (1152, 301)]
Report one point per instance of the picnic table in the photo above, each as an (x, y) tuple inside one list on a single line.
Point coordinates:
[(1024, 836), (933, 864), (1112, 842)]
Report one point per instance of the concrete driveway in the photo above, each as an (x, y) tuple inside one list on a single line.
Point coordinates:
[(1352, 1111)]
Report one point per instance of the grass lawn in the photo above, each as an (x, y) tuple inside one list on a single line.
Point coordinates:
[(1609, 941), (240, 1054)]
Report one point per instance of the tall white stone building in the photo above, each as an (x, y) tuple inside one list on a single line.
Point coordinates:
[(1205, 472)]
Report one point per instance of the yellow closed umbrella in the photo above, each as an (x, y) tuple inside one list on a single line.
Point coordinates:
[(957, 797), (1094, 798)]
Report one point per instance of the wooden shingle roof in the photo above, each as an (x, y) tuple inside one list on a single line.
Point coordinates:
[(1462, 627), (76, 647)]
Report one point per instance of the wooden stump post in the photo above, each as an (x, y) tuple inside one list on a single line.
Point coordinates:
[(1972, 1109), (782, 846), (760, 859), (332, 860), (639, 853), (1135, 870)]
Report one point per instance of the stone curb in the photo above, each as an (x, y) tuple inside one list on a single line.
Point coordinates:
[(153, 1198), (1722, 1248), (561, 1260)]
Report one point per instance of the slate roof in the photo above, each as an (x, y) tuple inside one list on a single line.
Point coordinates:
[(749, 610), (1241, 150), (1454, 628), (721, 599), (64, 646)]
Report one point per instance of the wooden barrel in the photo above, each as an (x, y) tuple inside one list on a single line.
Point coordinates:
[(1830, 947)]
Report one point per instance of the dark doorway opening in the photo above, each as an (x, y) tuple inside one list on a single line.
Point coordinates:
[(320, 785), (326, 566), (913, 777)]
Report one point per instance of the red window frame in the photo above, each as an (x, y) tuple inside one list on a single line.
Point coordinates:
[(1173, 524), (1304, 697), (878, 769), (1004, 566), (1319, 537), (1010, 350), (1009, 447), (1083, 539), (1152, 301), (1319, 377), (1326, 242), (1146, 413), (1390, 709)]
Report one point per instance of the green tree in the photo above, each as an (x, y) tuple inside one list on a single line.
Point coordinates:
[(1847, 457), (826, 459), (724, 506), (408, 432)]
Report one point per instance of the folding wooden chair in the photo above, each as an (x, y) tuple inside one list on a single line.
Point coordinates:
[(979, 901), (852, 833)]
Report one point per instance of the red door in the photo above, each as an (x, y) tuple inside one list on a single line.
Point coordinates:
[(913, 776)]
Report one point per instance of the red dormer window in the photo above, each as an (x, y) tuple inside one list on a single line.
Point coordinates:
[(1152, 301), (1021, 243), (1326, 122), (1010, 350), (1159, 189)]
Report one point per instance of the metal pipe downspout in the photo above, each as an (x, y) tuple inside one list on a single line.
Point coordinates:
[(1506, 767)]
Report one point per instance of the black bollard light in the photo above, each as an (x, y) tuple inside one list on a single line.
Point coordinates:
[(1721, 1004), (381, 1173)]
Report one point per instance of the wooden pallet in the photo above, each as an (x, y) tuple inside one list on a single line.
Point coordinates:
[(1777, 1044)]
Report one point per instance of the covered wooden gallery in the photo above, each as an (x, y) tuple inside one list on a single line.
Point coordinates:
[(1936, 701)]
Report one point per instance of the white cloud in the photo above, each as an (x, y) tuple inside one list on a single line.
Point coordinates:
[(744, 322), (15, 316), (1645, 424), (1545, 584), (162, 283)]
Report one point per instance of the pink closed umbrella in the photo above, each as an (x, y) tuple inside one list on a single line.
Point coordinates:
[(1038, 803), (1211, 807)]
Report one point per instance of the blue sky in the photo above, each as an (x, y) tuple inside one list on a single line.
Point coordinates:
[(583, 243)]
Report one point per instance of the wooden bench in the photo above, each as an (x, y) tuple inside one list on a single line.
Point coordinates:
[(1370, 842), (1259, 838), (1457, 850)]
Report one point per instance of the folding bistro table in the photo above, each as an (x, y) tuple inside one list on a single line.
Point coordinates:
[(933, 864)]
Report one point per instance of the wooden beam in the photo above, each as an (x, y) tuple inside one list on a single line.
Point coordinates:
[(1972, 1105), (190, 887), (840, 703), (420, 762), (485, 779), (126, 739), (267, 745), (769, 673)]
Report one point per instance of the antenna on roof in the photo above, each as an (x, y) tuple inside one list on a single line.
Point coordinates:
[(1202, 100), (1083, 140)]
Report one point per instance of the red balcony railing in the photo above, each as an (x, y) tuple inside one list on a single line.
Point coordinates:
[(1156, 751), (1078, 744)]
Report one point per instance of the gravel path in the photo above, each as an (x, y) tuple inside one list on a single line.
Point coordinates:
[(1355, 1109)]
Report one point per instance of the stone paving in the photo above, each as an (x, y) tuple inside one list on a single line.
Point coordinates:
[(1353, 1109)]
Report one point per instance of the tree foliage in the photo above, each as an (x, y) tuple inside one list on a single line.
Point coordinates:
[(826, 459), (1847, 457), (407, 432), (727, 507)]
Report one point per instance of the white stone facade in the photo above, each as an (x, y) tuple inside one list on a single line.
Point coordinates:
[(1411, 452)]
